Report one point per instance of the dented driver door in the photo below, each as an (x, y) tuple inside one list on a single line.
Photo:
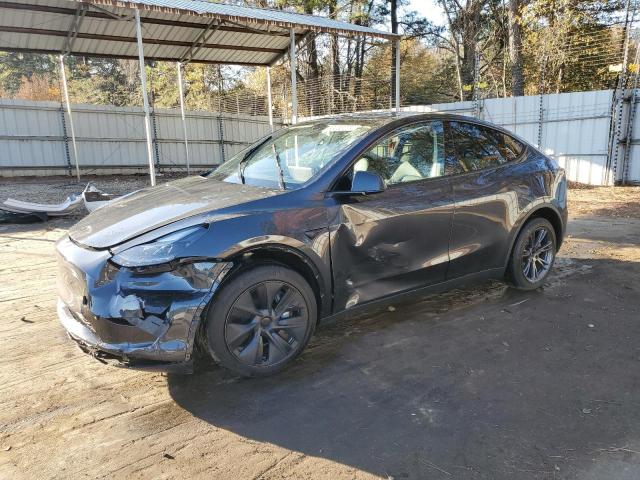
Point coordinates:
[(390, 242), (396, 240)]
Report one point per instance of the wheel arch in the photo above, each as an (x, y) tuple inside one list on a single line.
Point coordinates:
[(549, 213), (289, 257)]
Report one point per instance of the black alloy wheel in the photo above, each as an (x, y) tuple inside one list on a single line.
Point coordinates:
[(266, 323), (261, 320), (533, 255), (537, 255)]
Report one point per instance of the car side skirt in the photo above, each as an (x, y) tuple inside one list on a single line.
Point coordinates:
[(491, 274)]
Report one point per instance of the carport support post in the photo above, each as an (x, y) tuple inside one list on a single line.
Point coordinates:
[(63, 76), (397, 66), (294, 86), (269, 99), (184, 121), (145, 100)]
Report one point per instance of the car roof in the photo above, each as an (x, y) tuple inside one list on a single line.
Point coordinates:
[(382, 118)]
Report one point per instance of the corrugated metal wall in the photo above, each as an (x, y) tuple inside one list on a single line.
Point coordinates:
[(30, 135), (573, 128), (627, 167), (111, 139), (633, 168)]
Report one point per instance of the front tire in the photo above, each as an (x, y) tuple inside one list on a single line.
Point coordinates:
[(533, 255), (261, 320)]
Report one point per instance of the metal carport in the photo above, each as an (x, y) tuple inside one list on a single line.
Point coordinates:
[(174, 30)]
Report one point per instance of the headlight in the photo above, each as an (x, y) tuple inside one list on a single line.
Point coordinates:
[(161, 250)]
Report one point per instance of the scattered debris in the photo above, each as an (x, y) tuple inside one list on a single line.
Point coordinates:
[(434, 466), (7, 448), (624, 449), (391, 308), (53, 210), (605, 401), (94, 198), (18, 211), (591, 325), (519, 303), (506, 344), (21, 217), (586, 411), (23, 319), (170, 457)]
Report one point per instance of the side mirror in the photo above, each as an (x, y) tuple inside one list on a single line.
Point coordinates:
[(367, 182)]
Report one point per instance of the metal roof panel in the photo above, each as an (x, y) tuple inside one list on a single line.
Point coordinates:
[(245, 35), (250, 14)]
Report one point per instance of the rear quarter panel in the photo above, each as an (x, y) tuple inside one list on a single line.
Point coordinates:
[(548, 190), (492, 206)]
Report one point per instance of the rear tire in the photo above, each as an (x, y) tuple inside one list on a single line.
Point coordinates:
[(261, 320), (533, 255)]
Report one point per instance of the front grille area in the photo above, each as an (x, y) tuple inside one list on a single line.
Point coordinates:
[(77, 269), (123, 312)]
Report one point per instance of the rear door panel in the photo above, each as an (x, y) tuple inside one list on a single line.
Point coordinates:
[(488, 191), (486, 208)]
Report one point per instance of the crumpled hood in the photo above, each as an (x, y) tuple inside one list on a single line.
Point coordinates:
[(154, 207)]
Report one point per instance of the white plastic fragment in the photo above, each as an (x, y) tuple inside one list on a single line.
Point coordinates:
[(65, 208)]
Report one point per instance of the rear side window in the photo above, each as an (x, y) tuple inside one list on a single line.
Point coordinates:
[(512, 147), (478, 147)]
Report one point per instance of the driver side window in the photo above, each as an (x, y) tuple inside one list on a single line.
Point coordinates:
[(411, 153)]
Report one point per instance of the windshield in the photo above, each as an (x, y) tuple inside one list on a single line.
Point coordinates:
[(292, 156)]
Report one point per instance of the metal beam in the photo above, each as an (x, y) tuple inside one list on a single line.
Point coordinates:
[(397, 66), (294, 79), (200, 40), (300, 39), (269, 98), (145, 100), (111, 14), (63, 76), (128, 57), (73, 29), (152, 41), (257, 31), (184, 120)]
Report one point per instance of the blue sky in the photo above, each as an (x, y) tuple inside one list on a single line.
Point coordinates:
[(429, 9)]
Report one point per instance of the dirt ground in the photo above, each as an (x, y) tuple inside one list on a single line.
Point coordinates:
[(480, 383)]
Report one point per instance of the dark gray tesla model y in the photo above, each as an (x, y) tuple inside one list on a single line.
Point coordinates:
[(316, 220)]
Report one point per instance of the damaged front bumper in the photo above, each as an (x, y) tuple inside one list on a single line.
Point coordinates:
[(139, 318), (116, 354)]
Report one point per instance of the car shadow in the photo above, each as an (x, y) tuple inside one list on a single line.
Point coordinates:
[(62, 223), (480, 382)]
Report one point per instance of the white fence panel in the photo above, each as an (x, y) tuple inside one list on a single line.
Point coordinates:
[(576, 128), (31, 135), (573, 128), (632, 170), (112, 139)]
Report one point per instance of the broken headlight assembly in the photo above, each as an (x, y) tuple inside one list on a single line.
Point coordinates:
[(161, 250)]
